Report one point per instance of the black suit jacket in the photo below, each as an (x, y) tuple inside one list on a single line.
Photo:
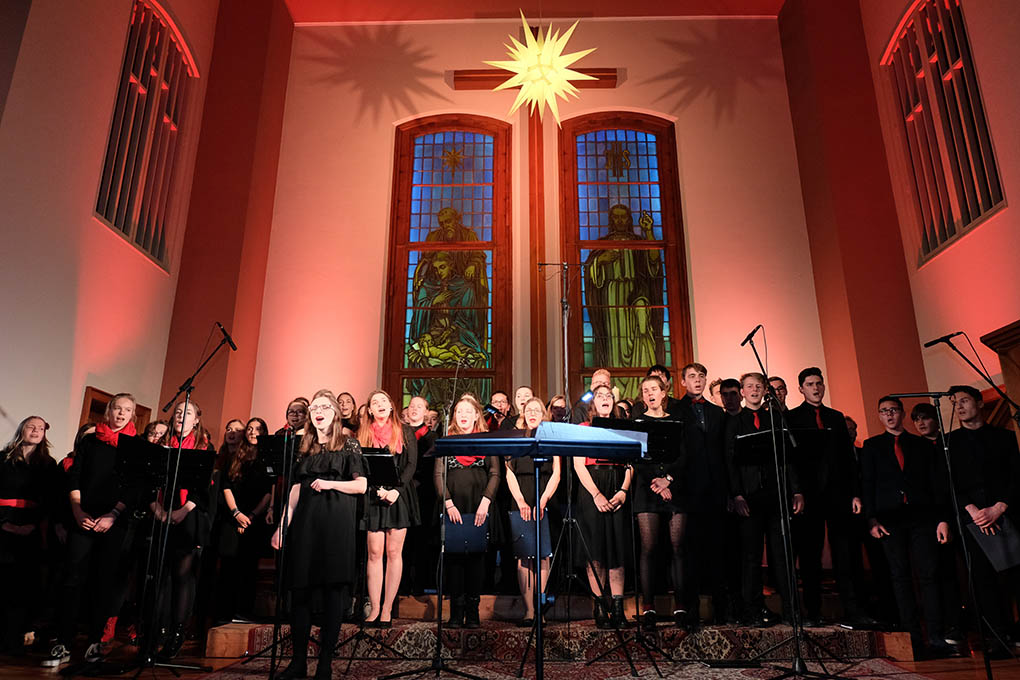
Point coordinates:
[(831, 471), (886, 485), (986, 467), (749, 478), (706, 483)]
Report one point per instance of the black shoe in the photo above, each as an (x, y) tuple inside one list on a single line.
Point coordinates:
[(456, 613), (526, 622), (324, 671), (648, 619), (812, 622), (617, 617), (769, 617), (940, 650), (384, 624), (954, 636), (471, 619), (296, 670), (173, 644)]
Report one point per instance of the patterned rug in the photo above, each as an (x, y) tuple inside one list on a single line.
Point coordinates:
[(868, 669)]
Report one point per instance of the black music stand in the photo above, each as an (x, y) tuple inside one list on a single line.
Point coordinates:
[(276, 455), (661, 437), (381, 468)]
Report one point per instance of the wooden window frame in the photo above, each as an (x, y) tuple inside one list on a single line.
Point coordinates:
[(673, 236), (954, 175), (501, 338), (93, 406), (136, 188)]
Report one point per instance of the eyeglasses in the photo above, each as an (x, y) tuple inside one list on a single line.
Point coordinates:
[(532, 412), (320, 407), (889, 411)]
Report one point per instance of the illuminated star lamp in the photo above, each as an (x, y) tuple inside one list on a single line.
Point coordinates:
[(541, 69)]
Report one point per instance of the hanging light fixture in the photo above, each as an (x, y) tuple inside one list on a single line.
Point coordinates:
[(541, 69)]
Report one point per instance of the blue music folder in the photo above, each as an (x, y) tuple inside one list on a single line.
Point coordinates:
[(466, 537), (523, 536)]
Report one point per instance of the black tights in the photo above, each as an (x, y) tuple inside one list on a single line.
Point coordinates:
[(185, 583), (464, 574), (334, 601), (648, 528)]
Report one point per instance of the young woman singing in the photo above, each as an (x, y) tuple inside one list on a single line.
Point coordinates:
[(322, 521), (471, 483), (388, 511), (520, 479)]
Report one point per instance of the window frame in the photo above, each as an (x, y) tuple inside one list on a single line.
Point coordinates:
[(501, 337), (672, 243)]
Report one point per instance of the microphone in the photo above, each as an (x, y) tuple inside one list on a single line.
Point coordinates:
[(751, 335), (226, 336), (944, 338)]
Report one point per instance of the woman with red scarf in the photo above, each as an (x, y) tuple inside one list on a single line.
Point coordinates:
[(27, 480), (191, 517), (98, 504), (388, 511), (471, 484)]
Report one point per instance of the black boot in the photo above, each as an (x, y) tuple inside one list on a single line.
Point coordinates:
[(174, 643), (598, 613), (617, 615), (297, 669), (471, 619), (456, 613)]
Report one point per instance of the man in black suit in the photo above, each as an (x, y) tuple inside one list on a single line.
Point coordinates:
[(755, 491), (828, 475), (706, 491), (904, 506), (986, 474)]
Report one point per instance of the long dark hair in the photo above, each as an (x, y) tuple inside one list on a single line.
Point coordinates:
[(14, 451), (310, 440), (245, 452)]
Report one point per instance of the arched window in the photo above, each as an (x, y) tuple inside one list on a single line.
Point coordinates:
[(949, 146), (620, 218), (138, 170), (449, 290)]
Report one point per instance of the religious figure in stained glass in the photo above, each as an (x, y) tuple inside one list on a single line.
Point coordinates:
[(624, 297), (448, 324), (468, 263)]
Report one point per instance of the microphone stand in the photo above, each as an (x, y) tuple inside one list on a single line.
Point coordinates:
[(438, 665), (982, 622), (147, 658), (799, 637)]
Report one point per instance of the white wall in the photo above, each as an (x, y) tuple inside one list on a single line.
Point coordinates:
[(721, 80), (81, 306), (974, 284)]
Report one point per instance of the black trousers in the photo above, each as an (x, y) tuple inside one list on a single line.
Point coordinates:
[(809, 531), (993, 590), (21, 562), (911, 547), (731, 571), (762, 525), (702, 569), (92, 561), (464, 574)]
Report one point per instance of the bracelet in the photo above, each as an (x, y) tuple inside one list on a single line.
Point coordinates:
[(623, 491), (237, 511), (669, 478), (115, 512)]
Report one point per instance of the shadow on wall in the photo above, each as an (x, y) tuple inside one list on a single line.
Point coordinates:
[(714, 67), (381, 66)]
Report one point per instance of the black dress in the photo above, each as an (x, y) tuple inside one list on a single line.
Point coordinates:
[(320, 546), (524, 470), (608, 534), (646, 500), (380, 515), (250, 487)]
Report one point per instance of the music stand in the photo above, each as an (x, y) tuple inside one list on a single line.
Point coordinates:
[(381, 469)]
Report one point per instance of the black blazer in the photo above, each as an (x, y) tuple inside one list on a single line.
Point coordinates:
[(746, 479), (832, 471), (986, 467), (885, 484), (705, 480)]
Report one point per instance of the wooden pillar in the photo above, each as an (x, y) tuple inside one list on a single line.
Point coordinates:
[(536, 253)]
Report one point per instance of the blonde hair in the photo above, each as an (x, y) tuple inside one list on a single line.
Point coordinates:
[(310, 440), (480, 425), (365, 436), (108, 412)]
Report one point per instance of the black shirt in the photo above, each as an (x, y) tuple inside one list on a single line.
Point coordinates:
[(829, 471), (986, 467), (94, 475)]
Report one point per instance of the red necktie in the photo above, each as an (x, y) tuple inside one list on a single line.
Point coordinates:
[(757, 421), (698, 400), (898, 450), (818, 418)]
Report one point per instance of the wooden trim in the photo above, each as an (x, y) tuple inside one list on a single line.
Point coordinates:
[(672, 230), (501, 341), (95, 400), (536, 254), (490, 78)]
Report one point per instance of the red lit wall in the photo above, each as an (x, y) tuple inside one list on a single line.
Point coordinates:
[(81, 306), (864, 300), (974, 284), (227, 240)]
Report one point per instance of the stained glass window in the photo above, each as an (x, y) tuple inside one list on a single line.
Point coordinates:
[(625, 230), (450, 259)]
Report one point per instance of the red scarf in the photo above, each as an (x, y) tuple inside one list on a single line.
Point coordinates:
[(381, 434), (106, 435), (189, 441)]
